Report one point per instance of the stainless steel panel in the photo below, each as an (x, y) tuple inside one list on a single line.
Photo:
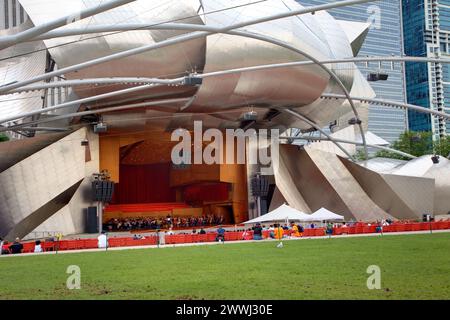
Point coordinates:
[(37, 180)]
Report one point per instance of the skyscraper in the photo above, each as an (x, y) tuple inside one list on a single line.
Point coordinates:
[(427, 33), (384, 39)]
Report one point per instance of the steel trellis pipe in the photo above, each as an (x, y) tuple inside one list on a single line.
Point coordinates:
[(8, 41), (407, 155), (176, 40), (98, 111), (298, 115)]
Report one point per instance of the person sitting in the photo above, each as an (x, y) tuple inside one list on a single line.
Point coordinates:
[(220, 234), (37, 247), (257, 232), (295, 231), (301, 230), (194, 231), (202, 231), (279, 232), (16, 247)]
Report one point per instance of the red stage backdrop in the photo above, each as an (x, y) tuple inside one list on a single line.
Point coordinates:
[(206, 192), (144, 184)]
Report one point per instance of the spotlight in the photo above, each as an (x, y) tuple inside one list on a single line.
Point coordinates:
[(192, 81), (251, 116), (435, 159), (354, 121), (100, 128), (373, 77), (84, 143)]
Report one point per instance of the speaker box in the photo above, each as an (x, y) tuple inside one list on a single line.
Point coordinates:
[(91, 220), (102, 190)]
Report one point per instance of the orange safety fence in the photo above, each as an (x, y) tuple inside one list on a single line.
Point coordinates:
[(360, 228)]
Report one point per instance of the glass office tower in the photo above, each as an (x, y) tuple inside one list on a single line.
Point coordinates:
[(427, 33), (384, 39)]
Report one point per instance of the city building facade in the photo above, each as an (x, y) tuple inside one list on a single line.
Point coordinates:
[(383, 39), (427, 33)]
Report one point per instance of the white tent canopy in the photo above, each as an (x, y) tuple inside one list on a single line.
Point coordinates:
[(283, 213), (325, 215)]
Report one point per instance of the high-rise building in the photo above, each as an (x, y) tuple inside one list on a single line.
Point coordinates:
[(12, 14), (427, 34), (384, 39)]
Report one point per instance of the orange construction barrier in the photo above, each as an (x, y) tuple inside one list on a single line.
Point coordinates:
[(359, 229), (211, 237), (320, 232), (28, 247)]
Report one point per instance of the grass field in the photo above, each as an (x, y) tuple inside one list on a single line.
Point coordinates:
[(412, 267)]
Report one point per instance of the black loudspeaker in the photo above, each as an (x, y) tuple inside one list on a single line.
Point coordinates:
[(102, 190), (92, 220), (260, 186)]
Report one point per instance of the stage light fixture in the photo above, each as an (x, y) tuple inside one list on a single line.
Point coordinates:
[(100, 128), (373, 77), (251, 116), (354, 121), (84, 143), (435, 159), (192, 80)]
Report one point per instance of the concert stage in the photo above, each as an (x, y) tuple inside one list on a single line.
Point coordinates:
[(148, 185)]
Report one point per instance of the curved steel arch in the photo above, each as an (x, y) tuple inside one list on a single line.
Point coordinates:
[(9, 41), (105, 110), (275, 42), (311, 123), (390, 103), (80, 101), (177, 40), (407, 155)]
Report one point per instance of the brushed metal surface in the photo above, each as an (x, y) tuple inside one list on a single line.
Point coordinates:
[(37, 180), (21, 68), (401, 196), (167, 62), (320, 179), (318, 35)]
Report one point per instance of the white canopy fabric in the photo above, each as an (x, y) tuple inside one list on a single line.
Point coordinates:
[(325, 215), (283, 213)]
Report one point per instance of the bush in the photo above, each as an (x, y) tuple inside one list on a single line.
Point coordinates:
[(3, 138)]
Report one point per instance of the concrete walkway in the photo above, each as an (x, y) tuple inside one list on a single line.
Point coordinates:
[(225, 243)]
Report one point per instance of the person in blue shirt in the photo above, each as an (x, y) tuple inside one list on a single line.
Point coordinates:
[(220, 234)]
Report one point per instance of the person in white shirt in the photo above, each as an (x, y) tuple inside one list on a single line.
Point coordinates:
[(102, 241), (1, 245), (38, 247)]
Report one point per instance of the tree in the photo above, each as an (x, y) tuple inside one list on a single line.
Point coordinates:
[(442, 147), (3, 138), (414, 143)]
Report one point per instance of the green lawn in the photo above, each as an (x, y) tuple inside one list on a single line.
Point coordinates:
[(412, 266)]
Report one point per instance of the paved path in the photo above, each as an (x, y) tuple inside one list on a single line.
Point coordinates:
[(226, 243)]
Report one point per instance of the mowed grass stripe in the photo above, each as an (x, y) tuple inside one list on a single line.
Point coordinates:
[(412, 266)]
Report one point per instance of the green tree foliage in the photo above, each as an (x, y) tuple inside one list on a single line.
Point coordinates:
[(418, 144), (442, 147), (3, 138)]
